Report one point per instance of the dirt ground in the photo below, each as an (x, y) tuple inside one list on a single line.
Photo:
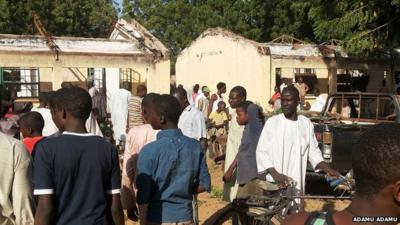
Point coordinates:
[(209, 203)]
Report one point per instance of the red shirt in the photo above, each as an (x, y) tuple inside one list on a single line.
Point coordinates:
[(30, 142), (276, 96)]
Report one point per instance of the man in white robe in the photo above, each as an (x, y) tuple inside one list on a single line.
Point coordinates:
[(319, 103), (286, 143), (119, 112)]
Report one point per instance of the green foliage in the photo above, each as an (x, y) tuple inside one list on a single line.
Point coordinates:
[(216, 192), (82, 18), (362, 25)]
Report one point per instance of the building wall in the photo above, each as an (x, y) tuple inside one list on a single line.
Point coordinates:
[(159, 81), (288, 65), (214, 59), (73, 68)]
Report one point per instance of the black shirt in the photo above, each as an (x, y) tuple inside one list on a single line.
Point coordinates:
[(79, 170)]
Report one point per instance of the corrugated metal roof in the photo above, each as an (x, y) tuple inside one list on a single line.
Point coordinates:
[(69, 45)]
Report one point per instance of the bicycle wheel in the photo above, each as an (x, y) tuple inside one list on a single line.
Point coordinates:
[(235, 216)]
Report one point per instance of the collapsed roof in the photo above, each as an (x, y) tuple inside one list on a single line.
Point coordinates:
[(35, 43), (134, 31), (127, 38), (284, 46)]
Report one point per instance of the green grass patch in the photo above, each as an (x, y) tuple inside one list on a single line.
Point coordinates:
[(217, 193)]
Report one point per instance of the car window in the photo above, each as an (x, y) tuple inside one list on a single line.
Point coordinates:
[(346, 108), (387, 110), (370, 108)]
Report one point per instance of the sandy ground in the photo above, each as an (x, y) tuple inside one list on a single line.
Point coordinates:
[(209, 203)]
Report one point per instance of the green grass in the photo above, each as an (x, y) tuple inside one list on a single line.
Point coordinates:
[(216, 192)]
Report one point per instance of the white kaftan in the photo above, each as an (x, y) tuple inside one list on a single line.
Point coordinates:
[(192, 123), (119, 113), (50, 127), (287, 145), (232, 147)]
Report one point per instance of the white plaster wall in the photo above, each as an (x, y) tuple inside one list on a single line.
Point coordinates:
[(159, 79), (213, 59)]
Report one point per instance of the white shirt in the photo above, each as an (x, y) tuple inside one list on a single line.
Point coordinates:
[(192, 123), (201, 103), (17, 204), (49, 126), (92, 91), (215, 103), (287, 146), (119, 113), (318, 105)]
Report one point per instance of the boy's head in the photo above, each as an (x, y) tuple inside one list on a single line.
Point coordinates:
[(221, 87), (148, 106), (242, 117), (31, 124), (141, 90), (375, 160), (70, 104), (181, 95), (43, 99), (206, 91), (126, 85), (196, 88), (66, 84), (238, 94), (166, 112), (221, 106)]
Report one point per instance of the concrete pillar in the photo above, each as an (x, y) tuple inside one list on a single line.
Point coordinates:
[(57, 75), (332, 80)]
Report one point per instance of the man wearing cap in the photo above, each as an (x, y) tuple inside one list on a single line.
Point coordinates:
[(201, 101)]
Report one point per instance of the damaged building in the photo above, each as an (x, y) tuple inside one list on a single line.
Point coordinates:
[(220, 55), (34, 64)]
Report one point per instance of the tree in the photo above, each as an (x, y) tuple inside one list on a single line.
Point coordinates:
[(362, 25), (178, 22), (83, 18), (291, 17)]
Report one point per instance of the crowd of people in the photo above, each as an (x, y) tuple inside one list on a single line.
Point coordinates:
[(303, 89), (62, 171)]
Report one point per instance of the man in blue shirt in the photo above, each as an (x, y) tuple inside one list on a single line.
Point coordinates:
[(171, 169)]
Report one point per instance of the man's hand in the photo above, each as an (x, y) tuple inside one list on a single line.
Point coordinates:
[(328, 170), (228, 175), (333, 173), (133, 214), (281, 179)]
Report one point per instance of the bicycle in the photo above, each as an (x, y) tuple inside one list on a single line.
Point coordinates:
[(273, 207)]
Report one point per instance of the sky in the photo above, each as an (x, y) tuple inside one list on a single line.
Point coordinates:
[(118, 3)]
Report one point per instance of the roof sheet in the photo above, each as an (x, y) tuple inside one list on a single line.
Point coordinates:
[(68, 45)]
